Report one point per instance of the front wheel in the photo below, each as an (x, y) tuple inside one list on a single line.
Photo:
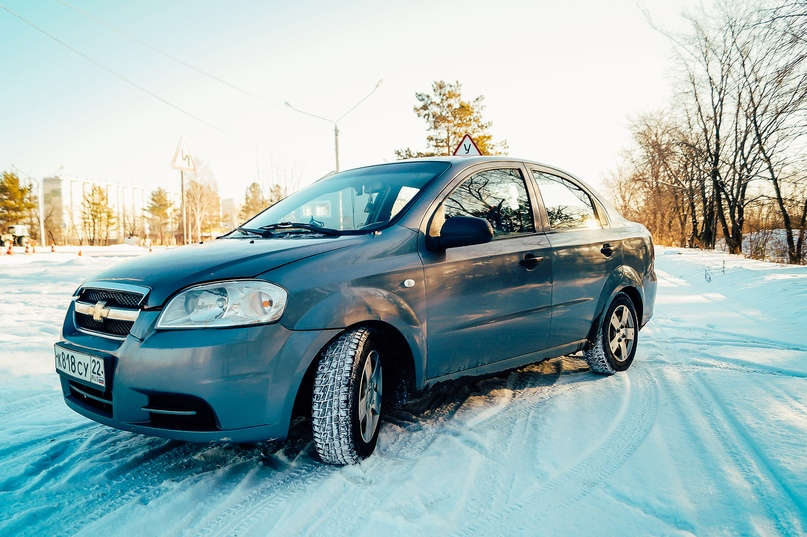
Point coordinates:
[(617, 336), (346, 405)]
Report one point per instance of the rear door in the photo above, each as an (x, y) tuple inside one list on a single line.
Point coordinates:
[(488, 302), (585, 253)]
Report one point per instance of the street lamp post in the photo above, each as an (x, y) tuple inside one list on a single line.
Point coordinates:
[(336, 122)]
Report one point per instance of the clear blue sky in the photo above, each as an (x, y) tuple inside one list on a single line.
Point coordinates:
[(560, 81)]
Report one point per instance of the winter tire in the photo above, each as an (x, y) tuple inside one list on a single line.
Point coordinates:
[(617, 336), (346, 404)]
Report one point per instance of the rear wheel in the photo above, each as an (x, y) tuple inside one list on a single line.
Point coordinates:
[(617, 336), (346, 403)]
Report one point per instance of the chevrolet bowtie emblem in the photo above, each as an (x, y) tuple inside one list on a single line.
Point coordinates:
[(99, 311)]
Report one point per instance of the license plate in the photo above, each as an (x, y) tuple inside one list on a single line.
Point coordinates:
[(80, 366)]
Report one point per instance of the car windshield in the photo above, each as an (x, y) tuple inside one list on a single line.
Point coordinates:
[(357, 200)]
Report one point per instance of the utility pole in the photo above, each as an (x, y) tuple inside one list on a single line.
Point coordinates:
[(335, 122), (183, 162)]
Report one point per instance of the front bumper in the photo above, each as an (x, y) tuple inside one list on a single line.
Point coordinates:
[(233, 384)]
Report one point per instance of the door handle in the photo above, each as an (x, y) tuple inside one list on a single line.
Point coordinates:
[(607, 250), (530, 261)]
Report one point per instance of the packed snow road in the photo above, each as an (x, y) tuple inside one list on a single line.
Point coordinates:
[(706, 434)]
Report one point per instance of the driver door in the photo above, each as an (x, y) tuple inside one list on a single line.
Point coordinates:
[(488, 302)]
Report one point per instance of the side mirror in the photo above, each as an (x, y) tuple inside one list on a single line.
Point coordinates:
[(463, 231)]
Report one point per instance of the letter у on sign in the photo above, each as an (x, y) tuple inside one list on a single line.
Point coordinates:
[(467, 148)]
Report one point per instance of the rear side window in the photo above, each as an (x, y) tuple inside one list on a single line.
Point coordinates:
[(499, 196), (567, 205)]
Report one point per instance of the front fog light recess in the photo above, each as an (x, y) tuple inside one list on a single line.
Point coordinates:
[(221, 304)]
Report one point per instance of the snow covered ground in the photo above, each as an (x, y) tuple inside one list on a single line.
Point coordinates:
[(705, 435)]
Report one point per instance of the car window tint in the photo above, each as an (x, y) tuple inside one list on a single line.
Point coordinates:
[(500, 196), (567, 205)]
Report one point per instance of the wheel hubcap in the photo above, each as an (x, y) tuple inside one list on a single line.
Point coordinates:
[(370, 396), (621, 333)]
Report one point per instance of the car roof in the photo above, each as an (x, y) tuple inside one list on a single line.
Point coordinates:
[(468, 161)]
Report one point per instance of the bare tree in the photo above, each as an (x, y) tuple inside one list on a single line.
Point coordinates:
[(202, 202), (773, 69), (97, 216), (711, 100), (656, 184), (738, 123), (277, 178)]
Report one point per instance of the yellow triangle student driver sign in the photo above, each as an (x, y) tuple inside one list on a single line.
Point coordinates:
[(467, 148)]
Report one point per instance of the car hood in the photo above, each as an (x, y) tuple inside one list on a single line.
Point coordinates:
[(169, 271)]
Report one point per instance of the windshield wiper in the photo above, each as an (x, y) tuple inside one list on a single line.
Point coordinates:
[(259, 232), (287, 226)]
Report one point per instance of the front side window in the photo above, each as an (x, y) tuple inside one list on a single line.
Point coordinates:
[(499, 196), (567, 205)]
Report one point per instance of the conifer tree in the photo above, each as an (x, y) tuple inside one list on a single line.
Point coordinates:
[(16, 201), (160, 208), (449, 118), (254, 202)]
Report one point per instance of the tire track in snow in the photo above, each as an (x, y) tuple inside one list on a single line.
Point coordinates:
[(422, 422), (713, 337), (789, 400), (420, 419), (528, 389), (528, 386), (709, 441), (495, 407), (17, 409), (72, 506), (703, 354), (467, 415), (710, 362), (254, 514), (629, 429), (764, 476)]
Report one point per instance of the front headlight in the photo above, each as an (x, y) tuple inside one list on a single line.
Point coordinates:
[(221, 304)]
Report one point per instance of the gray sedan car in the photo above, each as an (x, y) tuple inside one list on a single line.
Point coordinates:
[(353, 294)]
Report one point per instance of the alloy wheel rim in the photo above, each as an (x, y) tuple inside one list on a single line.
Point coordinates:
[(370, 390), (621, 333)]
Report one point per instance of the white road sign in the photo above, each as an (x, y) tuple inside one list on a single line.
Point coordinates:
[(182, 157)]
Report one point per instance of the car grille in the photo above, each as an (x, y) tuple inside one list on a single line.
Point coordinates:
[(107, 312), (98, 400), (124, 299), (105, 327)]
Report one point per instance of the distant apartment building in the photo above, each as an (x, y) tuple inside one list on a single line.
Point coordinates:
[(229, 214), (65, 223)]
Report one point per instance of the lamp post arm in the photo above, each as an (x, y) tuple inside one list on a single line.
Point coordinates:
[(309, 113), (378, 84)]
